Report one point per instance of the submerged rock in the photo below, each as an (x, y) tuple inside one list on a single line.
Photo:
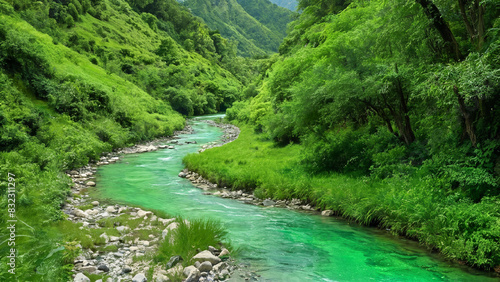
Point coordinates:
[(327, 213), (268, 202)]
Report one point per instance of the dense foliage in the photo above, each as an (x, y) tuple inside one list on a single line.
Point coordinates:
[(257, 27), (82, 77), (395, 91)]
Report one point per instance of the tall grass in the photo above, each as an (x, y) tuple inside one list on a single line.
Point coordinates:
[(190, 238), (415, 206)]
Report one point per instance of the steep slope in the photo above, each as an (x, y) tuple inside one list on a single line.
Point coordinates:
[(234, 22), (271, 15), (381, 94), (79, 79), (289, 4)]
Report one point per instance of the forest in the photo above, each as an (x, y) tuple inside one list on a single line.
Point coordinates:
[(80, 78), (384, 111), (257, 27)]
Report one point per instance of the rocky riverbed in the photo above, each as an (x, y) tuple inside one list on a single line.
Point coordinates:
[(130, 235)]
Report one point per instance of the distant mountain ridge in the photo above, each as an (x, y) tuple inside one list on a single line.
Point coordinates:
[(258, 27), (289, 4)]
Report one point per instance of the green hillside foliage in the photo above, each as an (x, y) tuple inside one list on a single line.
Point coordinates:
[(257, 27), (398, 93), (83, 77), (271, 15)]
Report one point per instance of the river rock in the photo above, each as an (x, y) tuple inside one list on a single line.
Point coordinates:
[(193, 276), (182, 174), (205, 266), (173, 261), (207, 256), (170, 227), (213, 250), (88, 269), (187, 270), (161, 278), (92, 212), (114, 239), (127, 269), (219, 267), (141, 213), (224, 252), (80, 213), (223, 274), (95, 203), (81, 278), (91, 183), (166, 221), (110, 209), (327, 213), (268, 202), (103, 267), (122, 229), (139, 278), (143, 243)]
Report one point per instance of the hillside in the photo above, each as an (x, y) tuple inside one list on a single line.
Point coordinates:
[(257, 27), (86, 77), (378, 110), (289, 4)]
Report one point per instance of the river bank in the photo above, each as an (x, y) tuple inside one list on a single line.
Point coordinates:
[(256, 170), (123, 240)]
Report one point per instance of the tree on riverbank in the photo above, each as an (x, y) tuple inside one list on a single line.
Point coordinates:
[(391, 90)]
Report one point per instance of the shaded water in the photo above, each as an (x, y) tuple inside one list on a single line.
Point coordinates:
[(281, 245)]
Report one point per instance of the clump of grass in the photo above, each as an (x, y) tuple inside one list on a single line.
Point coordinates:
[(85, 207), (110, 248), (191, 237), (95, 277)]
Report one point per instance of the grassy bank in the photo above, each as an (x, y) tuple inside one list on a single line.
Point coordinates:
[(411, 206), (75, 83)]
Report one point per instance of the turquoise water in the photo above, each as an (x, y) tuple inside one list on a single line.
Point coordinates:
[(281, 245)]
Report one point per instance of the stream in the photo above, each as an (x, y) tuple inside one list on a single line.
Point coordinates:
[(279, 244)]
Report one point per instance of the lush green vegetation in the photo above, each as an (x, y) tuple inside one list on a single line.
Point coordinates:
[(189, 238), (83, 77), (257, 27), (386, 112)]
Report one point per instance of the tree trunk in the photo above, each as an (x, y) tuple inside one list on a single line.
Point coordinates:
[(469, 127), (474, 25), (406, 131), (433, 13)]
